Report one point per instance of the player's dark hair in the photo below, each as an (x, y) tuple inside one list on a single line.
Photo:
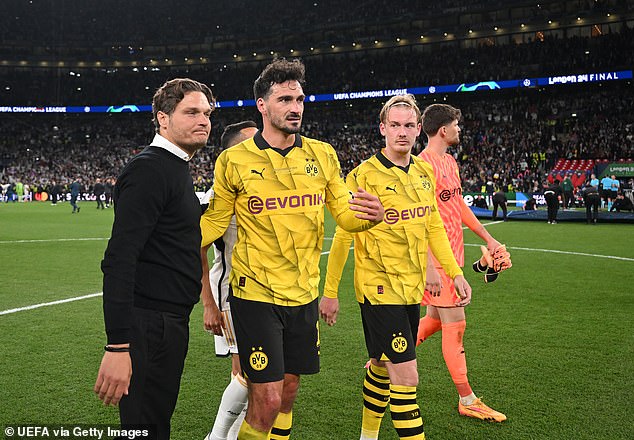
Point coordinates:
[(278, 71), (438, 115), (232, 132), (172, 92)]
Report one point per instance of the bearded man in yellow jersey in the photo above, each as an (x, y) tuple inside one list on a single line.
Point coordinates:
[(390, 261), (277, 184), (444, 309)]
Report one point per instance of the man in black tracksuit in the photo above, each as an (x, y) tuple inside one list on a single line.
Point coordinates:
[(553, 195), (152, 268), (499, 199), (591, 200)]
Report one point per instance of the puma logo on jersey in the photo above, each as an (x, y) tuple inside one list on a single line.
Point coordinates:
[(391, 189), (259, 173)]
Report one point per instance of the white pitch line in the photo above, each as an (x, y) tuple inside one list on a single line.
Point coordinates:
[(553, 251), (52, 303), (583, 254), (51, 240)]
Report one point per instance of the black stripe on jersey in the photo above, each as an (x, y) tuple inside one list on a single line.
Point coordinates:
[(387, 163), (220, 245), (263, 144)]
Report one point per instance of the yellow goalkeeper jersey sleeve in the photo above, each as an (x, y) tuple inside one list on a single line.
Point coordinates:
[(278, 197), (391, 258)]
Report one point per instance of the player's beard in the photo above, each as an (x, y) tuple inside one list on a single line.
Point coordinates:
[(284, 125), (455, 141)]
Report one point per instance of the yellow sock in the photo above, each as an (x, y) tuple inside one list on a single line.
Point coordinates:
[(376, 395), (282, 426), (247, 432), (405, 412)]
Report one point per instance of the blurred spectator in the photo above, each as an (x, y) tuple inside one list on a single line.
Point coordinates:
[(622, 203)]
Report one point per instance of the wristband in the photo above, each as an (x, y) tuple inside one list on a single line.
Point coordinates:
[(116, 349)]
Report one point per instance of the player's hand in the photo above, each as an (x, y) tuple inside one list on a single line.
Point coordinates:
[(212, 319), (501, 259), (492, 245), (367, 205), (464, 290), (329, 309), (433, 280), (113, 379)]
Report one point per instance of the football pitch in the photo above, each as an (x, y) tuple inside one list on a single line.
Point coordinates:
[(550, 343)]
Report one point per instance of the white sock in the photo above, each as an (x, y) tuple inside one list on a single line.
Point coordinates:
[(468, 400), (235, 428), (234, 401)]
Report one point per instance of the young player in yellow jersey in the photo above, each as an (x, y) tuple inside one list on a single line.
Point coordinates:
[(277, 184), (390, 261), (444, 311)]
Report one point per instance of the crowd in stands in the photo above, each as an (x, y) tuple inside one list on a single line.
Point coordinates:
[(354, 71), (509, 140)]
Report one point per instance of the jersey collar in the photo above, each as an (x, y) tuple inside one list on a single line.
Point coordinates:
[(387, 163), (263, 144)]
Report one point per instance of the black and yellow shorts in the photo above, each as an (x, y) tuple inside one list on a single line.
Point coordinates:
[(274, 340), (390, 331)]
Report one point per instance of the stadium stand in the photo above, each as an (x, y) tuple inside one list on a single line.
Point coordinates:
[(92, 55)]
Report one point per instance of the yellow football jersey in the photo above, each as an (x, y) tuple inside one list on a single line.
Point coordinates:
[(390, 259), (278, 198)]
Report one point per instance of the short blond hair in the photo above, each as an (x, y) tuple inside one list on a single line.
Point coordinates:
[(407, 100)]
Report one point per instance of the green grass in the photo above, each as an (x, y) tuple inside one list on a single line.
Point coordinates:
[(550, 343)]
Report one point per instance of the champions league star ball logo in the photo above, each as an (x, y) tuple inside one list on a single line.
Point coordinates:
[(258, 359), (399, 343)]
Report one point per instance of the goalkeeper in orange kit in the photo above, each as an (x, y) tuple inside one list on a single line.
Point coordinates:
[(440, 124)]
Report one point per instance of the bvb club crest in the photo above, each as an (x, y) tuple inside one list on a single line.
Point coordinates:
[(399, 343), (426, 184), (311, 168), (258, 359)]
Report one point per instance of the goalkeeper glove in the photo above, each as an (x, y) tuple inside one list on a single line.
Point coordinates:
[(485, 265)]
